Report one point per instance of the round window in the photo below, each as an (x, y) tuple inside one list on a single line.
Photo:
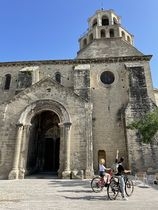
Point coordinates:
[(107, 77)]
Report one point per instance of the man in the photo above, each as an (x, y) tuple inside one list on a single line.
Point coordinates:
[(120, 173)]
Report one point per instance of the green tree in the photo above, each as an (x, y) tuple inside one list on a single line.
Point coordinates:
[(147, 126)]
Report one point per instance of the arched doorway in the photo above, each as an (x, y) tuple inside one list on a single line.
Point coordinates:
[(44, 144), (101, 154)]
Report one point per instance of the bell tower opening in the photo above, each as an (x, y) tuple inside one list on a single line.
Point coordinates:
[(44, 144)]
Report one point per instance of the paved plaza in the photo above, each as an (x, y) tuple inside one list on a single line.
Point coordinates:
[(57, 194)]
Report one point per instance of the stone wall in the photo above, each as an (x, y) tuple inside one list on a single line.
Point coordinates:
[(98, 112), (108, 48), (156, 96), (78, 108), (141, 156)]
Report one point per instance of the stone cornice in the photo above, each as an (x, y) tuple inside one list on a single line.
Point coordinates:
[(78, 61)]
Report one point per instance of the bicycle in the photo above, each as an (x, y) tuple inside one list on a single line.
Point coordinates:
[(113, 188), (98, 183)]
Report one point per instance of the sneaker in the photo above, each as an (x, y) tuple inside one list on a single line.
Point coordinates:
[(106, 184), (125, 198)]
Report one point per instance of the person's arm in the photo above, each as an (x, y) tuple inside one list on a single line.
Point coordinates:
[(121, 168), (108, 169), (104, 167), (117, 153), (127, 171)]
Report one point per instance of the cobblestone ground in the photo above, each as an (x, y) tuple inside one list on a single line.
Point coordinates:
[(57, 194)]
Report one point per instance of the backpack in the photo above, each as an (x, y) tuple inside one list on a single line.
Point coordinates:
[(115, 168)]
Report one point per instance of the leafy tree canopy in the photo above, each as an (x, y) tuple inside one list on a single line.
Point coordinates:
[(147, 126)]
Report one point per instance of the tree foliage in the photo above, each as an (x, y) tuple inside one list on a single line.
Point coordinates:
[(147, 126)]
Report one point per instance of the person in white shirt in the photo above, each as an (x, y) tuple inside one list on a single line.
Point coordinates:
[(102, 171)]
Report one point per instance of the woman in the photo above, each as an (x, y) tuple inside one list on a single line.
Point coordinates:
[(102, 172)]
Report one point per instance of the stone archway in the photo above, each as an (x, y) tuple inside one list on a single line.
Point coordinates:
[(24, 127)]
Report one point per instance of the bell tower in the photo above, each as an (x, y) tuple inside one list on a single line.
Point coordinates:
[(104, 25)]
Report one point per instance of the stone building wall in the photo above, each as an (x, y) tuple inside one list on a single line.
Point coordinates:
[(108, 48), (92, 97), (42, 69), (72, 103), (108, 100), (81, 88), (156, 96), (141, 156)]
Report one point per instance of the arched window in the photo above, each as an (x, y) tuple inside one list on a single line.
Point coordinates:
[(7, 81), (101, 155), (128, 39), (102, 33), (84, 42), (123, 35), (111, 32), (58, 77), (90, 37), (105, 21), (115, 21), (94, 23)]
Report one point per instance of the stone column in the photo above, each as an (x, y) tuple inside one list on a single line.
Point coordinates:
[(14, 173), (89, 172), (99, 20), (23, 151), (67, 171), (82, 80), (35, 75), (61, 152)]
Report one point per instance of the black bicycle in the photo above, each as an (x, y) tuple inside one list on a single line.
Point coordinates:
[(114, 189)]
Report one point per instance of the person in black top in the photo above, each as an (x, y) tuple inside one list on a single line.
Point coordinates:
[(120, 173)]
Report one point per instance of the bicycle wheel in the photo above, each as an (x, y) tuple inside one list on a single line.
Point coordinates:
[(112, 189), (129, 187), (97, 184)]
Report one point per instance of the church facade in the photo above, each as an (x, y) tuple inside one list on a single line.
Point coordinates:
[(62, 116)]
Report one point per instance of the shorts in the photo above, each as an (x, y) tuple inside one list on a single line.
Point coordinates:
[(102, 173)]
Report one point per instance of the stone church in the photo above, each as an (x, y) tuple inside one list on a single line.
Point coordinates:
[(61, 116)]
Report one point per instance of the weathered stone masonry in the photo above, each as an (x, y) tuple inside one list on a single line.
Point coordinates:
[(62, 116)]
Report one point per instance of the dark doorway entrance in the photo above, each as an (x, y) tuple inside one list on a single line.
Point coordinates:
[(44, 144), (51, 155)]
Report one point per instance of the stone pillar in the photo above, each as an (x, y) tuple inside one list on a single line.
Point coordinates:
[(89, 172), (82, 80), (62, 151), (14, 173), (35, 75), (99, 19), (67, 171), (23, 151)]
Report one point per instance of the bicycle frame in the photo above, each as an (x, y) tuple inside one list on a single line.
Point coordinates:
[(114, 188), (97, 184)]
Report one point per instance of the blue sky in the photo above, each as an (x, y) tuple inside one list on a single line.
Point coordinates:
[(49, 29)]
